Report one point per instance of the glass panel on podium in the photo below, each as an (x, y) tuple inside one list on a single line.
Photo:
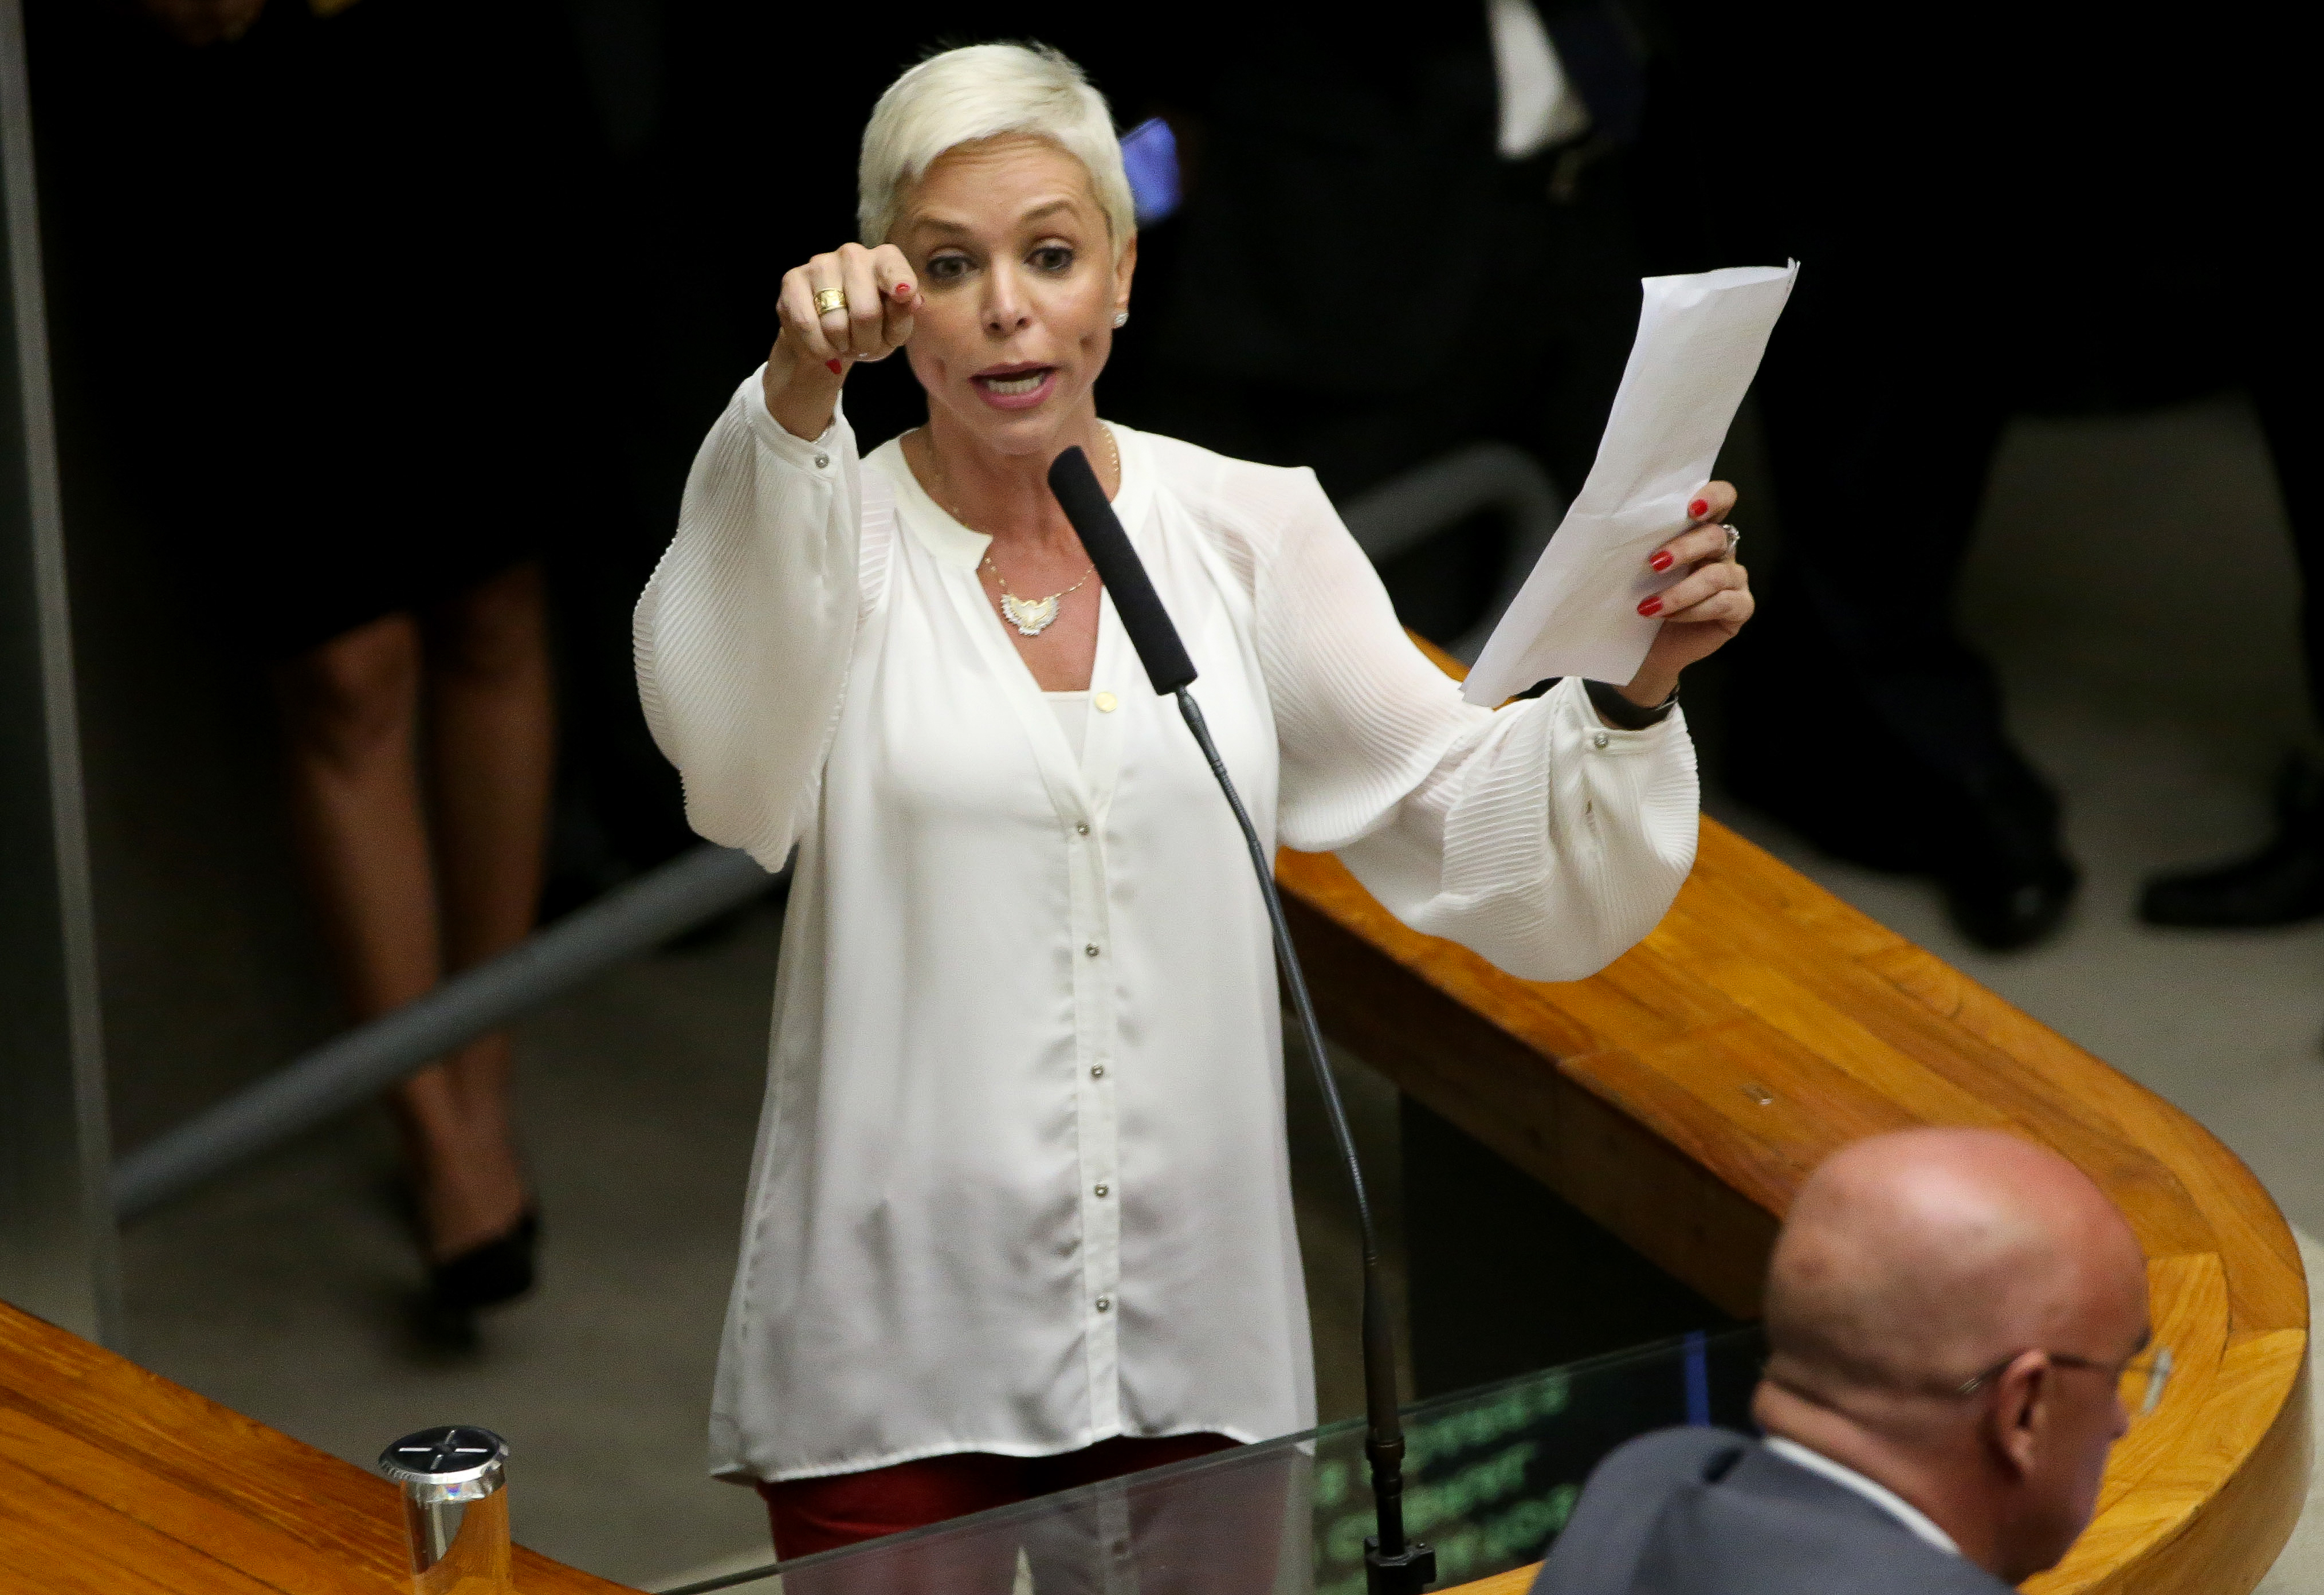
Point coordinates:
[(1491, 1476)]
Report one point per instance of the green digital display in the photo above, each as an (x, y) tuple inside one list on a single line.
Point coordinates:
[(1483, 1500)]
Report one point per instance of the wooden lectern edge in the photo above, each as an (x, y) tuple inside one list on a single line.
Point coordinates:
[(1626, 1092), (114, 1479), (2201, 1496), (2199, 1528)]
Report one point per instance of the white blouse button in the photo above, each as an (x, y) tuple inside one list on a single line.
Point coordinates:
[(1106, 702), (1091, 949), (822, 461), (1105, 1304), (1599, 740), (1101, 1190), (1097, 1071), (1081, 830)]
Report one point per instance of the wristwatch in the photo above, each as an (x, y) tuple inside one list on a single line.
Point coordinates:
[(1618, 711)]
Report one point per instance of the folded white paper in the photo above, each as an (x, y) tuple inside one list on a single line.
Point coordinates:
[(1699, 343)]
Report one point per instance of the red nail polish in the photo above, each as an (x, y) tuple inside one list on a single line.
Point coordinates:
[(834, 367), (1699, 509), (903, 290), (1651, 607), (1660, 561)]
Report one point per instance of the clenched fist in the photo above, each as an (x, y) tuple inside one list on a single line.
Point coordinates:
[(853, 304)]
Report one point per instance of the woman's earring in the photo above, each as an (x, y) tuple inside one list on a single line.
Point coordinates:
[(1121, 317)]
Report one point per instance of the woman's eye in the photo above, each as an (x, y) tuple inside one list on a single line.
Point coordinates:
[(944, 268), (1052, 257)]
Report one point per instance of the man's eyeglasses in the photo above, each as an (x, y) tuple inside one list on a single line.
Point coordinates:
[(2140, 1378)]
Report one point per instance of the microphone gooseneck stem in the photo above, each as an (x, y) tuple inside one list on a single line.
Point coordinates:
[(1393, 1564)]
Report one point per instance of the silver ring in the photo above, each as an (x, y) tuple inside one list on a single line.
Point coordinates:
[(1733, 538)]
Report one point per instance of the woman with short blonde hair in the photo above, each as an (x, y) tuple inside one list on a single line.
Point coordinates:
[(983, 91), (1021, 1214)]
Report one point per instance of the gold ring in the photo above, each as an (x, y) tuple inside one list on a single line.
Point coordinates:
[(830, 300)]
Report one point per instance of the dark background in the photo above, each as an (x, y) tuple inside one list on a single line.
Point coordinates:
[(2066, 212)]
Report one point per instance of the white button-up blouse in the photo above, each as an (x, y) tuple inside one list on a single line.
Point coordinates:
[(1021, 1182)]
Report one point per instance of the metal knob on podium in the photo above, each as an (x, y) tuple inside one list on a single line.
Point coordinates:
[(455, 1509)]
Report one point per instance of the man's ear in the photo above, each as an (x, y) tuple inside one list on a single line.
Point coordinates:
[(2024, 1401)]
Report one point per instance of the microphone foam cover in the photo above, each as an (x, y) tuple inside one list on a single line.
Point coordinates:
[(1122, 572)]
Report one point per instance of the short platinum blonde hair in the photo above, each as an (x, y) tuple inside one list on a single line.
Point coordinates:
[(983, 91)]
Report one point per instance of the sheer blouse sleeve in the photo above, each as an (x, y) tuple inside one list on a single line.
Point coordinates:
[(742, 635), (1534, 834)]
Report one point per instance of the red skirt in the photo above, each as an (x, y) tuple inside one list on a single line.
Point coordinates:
[(811, 1515)]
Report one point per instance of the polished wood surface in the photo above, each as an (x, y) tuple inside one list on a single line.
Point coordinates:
[(114, 1481), (1680, 1097), (1501, 1584)]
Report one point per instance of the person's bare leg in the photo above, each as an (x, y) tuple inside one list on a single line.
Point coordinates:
[(350, 710), (491, 746)]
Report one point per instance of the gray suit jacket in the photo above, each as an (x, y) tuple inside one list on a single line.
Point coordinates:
[(1710, 1512)]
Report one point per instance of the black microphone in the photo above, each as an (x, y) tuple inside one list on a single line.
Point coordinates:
[(1122, 572), (1393, 1564)]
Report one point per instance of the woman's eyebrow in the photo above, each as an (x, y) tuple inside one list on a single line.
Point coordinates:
[(953, 224)]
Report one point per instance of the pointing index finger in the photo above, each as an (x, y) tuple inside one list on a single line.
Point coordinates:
[(894, 274), (899, 295)]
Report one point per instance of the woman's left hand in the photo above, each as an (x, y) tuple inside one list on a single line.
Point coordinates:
[(1701, 610)]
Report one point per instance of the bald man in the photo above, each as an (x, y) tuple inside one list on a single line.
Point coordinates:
[(1950, 1314)]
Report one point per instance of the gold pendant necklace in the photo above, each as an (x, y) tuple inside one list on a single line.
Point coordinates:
[(1030, 616)]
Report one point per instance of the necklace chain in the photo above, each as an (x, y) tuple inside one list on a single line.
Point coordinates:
[(1030, 616)]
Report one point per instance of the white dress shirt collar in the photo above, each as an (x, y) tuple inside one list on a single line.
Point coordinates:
[(933, 523), (1878, 1494)]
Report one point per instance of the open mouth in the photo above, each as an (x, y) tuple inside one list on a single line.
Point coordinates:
[(1014, 381)]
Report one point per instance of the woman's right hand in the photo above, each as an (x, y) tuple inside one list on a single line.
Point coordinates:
[(813, 352)]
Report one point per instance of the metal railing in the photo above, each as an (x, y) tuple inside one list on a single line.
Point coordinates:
[(696, 887), (1407, 512), (699, 885)]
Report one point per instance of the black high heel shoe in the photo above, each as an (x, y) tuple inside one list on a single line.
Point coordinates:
[(491, 1272), (486, 1275)]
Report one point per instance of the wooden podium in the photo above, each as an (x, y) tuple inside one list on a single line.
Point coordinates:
[(1681, 1096), (1678, 1098)]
